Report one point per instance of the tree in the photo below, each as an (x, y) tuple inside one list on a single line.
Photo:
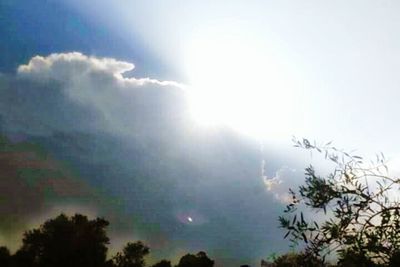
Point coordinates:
[(5, 257), (351, 258), (199, 260), (132, 255), (298, 260), (394, 260), (65, 241), (361, 216), (163, 263)]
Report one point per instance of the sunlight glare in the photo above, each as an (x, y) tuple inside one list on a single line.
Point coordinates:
[(237, 83)]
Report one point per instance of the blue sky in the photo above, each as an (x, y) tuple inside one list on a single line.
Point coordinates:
[(165, 110), (43, 27)]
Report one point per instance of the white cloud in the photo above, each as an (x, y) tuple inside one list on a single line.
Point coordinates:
[(64, 65), (75, 92), (272, 183), (280, 183)]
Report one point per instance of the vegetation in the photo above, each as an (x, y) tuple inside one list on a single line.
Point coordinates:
[(360, 221), (80, 242), (132, 255), (198, 260), (77, 241), (298, 260), (352, 214), (163, 263)]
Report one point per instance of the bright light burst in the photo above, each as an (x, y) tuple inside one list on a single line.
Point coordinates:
[(237, 82)]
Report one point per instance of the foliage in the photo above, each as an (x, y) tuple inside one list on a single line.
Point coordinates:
[(79, 242), (132, 255), (360, 215), (355, 259), (199, 260), (298, 260), (65, 241), (163, 263), (5, 257)]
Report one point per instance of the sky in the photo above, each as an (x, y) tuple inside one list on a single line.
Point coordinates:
[(174, 119)]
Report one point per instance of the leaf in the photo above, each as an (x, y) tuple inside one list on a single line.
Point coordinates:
[(327, 144), (286, 235), (304, 237)]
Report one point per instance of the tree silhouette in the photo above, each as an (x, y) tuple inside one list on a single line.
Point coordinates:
[(394, 260), (132, 255), (76, 241), (163, 263), (298, 260), (199, 260), (5, 257), (362, 219), (65, 242), (354, 259)]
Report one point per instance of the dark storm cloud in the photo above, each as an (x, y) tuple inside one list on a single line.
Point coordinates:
[(132, 139), (32, 183)]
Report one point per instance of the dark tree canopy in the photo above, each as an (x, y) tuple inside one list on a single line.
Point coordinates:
[(5, 257), (298, 260), (132, 255), (199, 260), (163, 263), (65, 242), (77, 241), (354, 259)]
